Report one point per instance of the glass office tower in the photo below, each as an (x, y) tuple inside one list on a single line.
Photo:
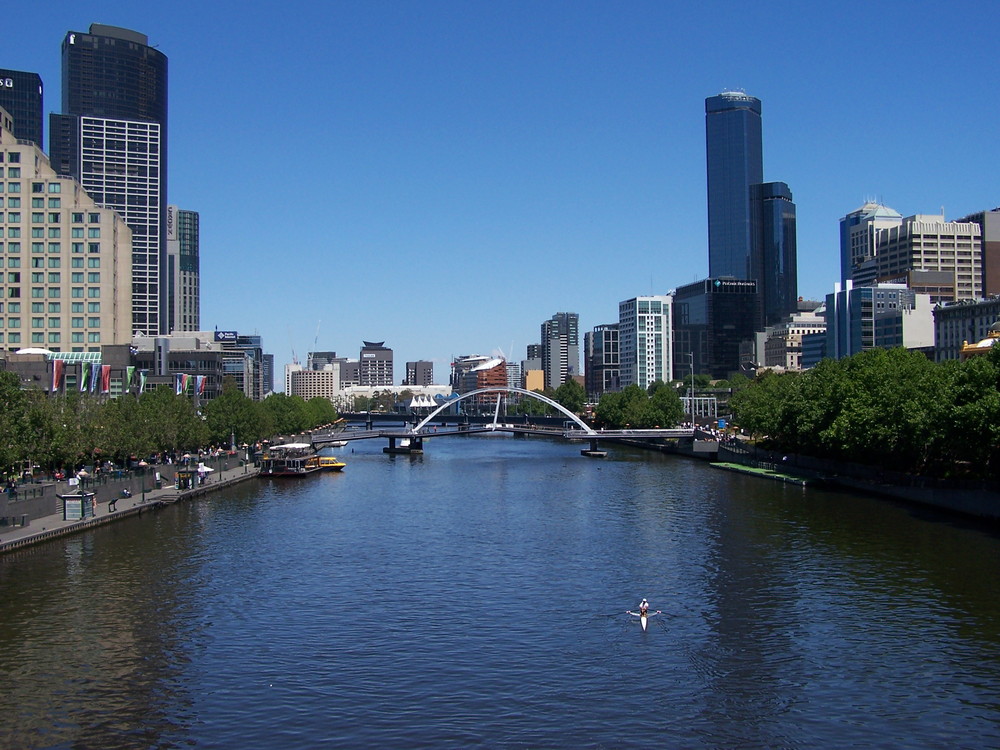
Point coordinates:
[(112, 137), (735, 162), (773, 253), (21, 96)]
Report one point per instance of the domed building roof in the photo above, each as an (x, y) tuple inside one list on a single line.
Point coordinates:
[(983, 345)]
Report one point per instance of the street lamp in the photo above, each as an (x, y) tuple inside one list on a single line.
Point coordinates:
[(691, 390)]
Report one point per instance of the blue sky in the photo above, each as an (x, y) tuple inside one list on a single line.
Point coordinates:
[(444, 176)]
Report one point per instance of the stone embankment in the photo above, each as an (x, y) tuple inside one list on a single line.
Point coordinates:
[(37, 515)]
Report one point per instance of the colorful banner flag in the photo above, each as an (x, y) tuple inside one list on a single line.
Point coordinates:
[(58, 368), (129, 372), (142, 380), (105, 378), (178, 383), (95, 377), (199, 384), (84, 376)]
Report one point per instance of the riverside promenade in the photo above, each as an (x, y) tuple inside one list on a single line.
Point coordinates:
[(19, 531)]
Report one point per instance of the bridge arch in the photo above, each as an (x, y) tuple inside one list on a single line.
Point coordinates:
[(506, 389)]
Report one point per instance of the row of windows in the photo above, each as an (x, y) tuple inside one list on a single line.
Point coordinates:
[(13, 202), (54, 247), (54, 307), (53, 232), (54, 338), (55, 292), (36, 187), (51, 262), (37, 277), (51, 323)]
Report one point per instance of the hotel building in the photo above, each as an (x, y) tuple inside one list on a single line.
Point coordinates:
[(66, 262)]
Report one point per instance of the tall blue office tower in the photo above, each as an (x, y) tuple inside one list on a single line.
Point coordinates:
[(735, 162), (773, 258)]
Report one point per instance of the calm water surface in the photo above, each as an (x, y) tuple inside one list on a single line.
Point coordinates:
[(476, 596)]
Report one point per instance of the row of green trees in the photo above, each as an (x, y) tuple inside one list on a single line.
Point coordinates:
[(72, 429), (632, 407), (892, 408)]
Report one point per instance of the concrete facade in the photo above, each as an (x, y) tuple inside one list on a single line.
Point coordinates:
[(66, 262)]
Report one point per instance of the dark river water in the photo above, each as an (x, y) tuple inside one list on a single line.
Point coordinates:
[(476, 597)]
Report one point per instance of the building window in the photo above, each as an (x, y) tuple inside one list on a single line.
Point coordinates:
[(13, 231), (78, 218), (77, 277), (38, 338), (55, 187), (94, 232), (94, 278), (93, 338), (53, 338), (93, 292), (55, 322), (93, 247), (76, 232), (53, 217), (55, 292), (77, 307), (95, 219), (93, 262), (55, 232), (76, 262), (55, 202), (76, 292), (94, 307), (76, 322), (93, 322), (76, 338), (54, 277), (37, 217)]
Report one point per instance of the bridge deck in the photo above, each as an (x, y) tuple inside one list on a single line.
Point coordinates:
[(399, 434)]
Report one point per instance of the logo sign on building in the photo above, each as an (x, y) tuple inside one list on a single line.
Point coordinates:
[(225, 335), (172, 223), (6, 83)]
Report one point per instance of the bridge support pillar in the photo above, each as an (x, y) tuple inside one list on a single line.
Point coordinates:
[(407, 446), (593, 451)]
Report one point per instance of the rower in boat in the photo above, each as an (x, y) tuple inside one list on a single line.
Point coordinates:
[(643, 614)]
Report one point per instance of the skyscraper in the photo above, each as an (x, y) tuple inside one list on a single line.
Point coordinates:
[(375, 364), (182, 276), (21, 96), (560, 348), (772, 252), (112, 136), (645, 327), (735, 162)]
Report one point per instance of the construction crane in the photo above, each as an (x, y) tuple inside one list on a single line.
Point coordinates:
[(295, 360)]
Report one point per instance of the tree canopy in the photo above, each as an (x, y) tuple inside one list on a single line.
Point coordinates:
[(894, 408)]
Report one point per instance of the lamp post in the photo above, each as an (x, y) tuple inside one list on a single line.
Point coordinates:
[(691, 389)]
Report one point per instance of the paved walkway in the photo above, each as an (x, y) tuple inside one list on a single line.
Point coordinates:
[(50, 526)]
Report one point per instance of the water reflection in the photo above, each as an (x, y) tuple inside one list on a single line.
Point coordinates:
[(476, 595)]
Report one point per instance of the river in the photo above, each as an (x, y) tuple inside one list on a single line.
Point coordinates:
[(476, 596)]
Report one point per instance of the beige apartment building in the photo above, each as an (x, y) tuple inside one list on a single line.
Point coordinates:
[(66, 263)]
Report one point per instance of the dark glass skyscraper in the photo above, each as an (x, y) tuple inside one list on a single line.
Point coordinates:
[(772, 252), (21, 96), (735, 162), (112, 136)]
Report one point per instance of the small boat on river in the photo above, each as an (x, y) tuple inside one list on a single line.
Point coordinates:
[(331, 463), (289, 460)]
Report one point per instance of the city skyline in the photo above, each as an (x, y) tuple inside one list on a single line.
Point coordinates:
[(519, 160)]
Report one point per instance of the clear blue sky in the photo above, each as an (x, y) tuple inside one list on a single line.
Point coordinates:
[(444, 176)]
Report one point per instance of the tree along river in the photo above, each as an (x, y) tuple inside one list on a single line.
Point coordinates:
[(476, 596)]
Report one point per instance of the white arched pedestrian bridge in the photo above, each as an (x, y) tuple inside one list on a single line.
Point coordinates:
[(410, 440)]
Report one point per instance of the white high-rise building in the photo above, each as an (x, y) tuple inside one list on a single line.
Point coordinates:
[(66, 279), (645, 329)]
